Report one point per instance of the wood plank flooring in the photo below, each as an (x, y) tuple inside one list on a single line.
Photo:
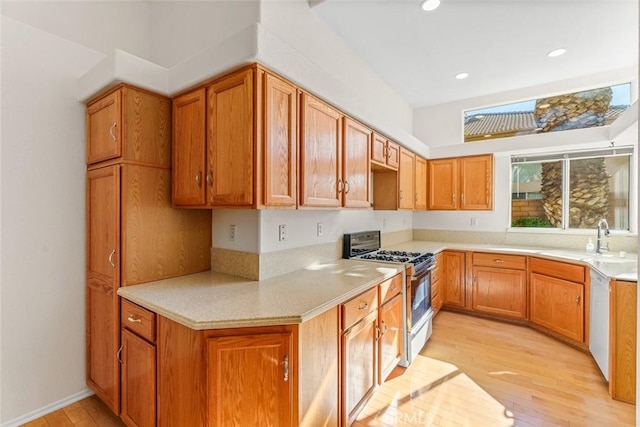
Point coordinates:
[(478, 372), (473, 372)]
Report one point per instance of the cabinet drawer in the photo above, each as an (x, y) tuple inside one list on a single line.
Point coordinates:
[(138, 320), (518, 262), (390, 288), (558, 269), (358, 307), (435, 288)]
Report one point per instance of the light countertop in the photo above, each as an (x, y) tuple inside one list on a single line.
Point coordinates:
[(609, 264), (213, 300)]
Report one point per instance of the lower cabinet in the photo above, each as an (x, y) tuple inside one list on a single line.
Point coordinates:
[(249, 380), (557, 305), (138, 384), (138, 370), (453, 275), (391, 341), (623, 340), (500, 291), (359, 366)]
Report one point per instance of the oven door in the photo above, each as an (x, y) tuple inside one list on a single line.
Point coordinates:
[(420, 297)]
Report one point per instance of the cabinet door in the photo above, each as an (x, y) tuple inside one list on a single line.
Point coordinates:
[(390, 343), (453, 277), (357, 142), (103, 280), (421, 184), (406, 179), (393, 155), (189, 148), (280, 142), (443, 184), (558, 305), (104, 128), (320, 154), (138, 381), (230, 141), (359, 366), (379, 149), (248, 380), (500, 291), (623, 340), (476, 182)]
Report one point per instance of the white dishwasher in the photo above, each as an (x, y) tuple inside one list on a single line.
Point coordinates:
[(599, 321)]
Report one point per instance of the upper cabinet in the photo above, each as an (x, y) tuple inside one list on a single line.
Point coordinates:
[(235, 143), (461, 183), (321, 182), (129, 124), (406, 180), (355, 165), (420, 182), (384, 152)]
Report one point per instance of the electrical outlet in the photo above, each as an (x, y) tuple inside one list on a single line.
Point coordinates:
[(319, 229), (282, 232), (232, 232), (474, 221)]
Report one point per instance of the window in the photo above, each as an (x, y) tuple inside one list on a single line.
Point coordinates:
[(571, 190), (590, 108)]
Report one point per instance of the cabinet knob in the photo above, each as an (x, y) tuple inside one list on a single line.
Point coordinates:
[(113, 136), (498, 260), (113, 252), (285, 362), (133, 319), (578, 299)]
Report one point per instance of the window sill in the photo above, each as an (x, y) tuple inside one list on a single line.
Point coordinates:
[(573, 231)]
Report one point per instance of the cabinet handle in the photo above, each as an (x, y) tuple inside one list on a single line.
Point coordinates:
[(462, 198), (416, 198), (384, 331), (210, 178), (340, 186), (363, 305), (385, 152), (393, 287), (400, 194), (113, 252), (198, 179), (113, 136), (132, 318), (346, 187), (498, 260), (286, 368), (118, 354), (388, 153), (474, 278), (578, 299), (378, 333)]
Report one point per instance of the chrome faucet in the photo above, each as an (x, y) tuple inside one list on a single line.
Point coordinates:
[(600, 247)]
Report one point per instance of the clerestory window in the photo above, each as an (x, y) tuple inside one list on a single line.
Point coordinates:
[(571, 190)]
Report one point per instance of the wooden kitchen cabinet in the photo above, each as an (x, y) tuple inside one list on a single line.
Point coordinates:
[(499, 285), (391, 340), (133, 233), (437, 284), (236, 395), (355, 164), (622, 340), (138, 381), (235, 143), (406, 179), (453, 277), (130, 124), (420, 184), (321, 182), (384, 153), (464, 183), (558, 298)]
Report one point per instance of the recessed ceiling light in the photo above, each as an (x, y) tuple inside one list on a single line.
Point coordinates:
[(462, 76), (429, 5), (556, 52)]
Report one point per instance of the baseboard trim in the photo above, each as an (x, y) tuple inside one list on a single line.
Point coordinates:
[(16, 422)]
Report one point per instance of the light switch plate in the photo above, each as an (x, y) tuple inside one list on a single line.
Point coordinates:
[(282, 232)]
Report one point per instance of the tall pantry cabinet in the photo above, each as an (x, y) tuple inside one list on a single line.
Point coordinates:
[(134, 235)]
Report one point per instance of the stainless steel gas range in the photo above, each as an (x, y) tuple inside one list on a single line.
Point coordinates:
[(417, 312)]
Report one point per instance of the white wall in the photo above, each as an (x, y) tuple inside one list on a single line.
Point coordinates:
[(43, 216)]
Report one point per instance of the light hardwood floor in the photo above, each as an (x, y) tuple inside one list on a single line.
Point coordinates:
[(473, 372), (478, 372)]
